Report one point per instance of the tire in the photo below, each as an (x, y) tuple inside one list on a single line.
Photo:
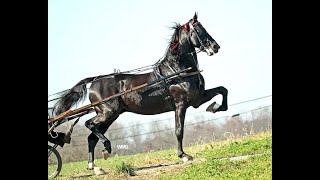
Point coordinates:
[(54, 162)]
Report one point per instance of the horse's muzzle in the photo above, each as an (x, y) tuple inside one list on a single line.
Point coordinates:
[(216, 47), (211, 50)]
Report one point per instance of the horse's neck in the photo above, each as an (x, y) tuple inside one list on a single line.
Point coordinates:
[(188, 57), (192, 60), (173, 64)]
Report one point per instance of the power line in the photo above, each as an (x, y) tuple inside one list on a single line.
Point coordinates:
[(133, 71), (192, 124), (187, 114), (250, 100), (241, 102), (188, 124)]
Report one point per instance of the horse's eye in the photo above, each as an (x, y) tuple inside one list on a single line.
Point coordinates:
[(208, 43)]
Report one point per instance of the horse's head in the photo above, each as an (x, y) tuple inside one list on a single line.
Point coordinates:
[(199, 37)]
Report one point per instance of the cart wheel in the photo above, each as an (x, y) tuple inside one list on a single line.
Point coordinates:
[(54, 162)]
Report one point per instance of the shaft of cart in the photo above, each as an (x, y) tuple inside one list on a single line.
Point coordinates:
[(85, 108)]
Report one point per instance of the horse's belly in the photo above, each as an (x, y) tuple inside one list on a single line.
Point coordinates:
[(147, 102)]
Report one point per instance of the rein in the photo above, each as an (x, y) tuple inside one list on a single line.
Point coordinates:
[(142, 69), (190, 74), (188, 26), (194, 30), (133, 71)]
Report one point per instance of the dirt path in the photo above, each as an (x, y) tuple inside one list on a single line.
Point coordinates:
[(152, 172), (155, 171)]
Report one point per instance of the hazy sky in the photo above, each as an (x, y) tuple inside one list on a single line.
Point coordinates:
[(90, 38)]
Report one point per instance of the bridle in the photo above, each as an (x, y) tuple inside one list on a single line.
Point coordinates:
[(189, 28), (194, 29)]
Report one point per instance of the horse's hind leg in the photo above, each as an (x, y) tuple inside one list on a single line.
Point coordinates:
[(99, 125), (209, 94), (92, 142)]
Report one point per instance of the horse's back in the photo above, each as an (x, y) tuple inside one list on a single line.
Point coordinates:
[(148, 100)]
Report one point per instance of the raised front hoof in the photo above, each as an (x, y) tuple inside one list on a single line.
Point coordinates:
[(186, 158), (105, 154), (99, 171), (213, 107)]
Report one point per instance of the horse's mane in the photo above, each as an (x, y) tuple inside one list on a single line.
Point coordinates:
[(173, 43), (176, 27)]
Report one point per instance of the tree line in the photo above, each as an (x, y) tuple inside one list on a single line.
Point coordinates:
[(159, 136)]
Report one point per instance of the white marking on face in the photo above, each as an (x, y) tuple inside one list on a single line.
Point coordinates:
[(209, 51)]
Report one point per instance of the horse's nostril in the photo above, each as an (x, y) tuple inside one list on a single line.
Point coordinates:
[(216, 46)]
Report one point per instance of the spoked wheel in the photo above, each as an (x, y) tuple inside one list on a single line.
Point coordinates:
[(54, 162)]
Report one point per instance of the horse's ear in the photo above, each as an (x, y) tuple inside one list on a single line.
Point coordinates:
[(195, 17)]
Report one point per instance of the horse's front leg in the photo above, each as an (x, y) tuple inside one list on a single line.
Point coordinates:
[(209, 94), (180, 113)]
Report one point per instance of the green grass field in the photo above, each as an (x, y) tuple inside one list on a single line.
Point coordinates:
[(211, 161)]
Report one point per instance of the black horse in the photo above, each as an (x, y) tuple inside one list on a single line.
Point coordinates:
[(176, 94)]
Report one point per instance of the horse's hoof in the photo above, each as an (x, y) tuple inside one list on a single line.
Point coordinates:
[(99, 171), (90, 166), (187, 158), (213, 107), (105, 154)]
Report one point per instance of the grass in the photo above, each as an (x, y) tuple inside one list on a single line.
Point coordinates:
[(258, 167), (203, 167), (126, 168)]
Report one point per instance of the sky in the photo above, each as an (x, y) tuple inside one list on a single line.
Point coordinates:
[(91, 38)]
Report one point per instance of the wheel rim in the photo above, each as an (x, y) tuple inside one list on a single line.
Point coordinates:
[(54, 162)]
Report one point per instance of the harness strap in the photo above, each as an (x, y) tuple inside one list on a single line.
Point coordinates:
[(190, 74), (157, 73)]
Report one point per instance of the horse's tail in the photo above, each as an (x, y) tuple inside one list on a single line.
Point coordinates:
[(72, 97)]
